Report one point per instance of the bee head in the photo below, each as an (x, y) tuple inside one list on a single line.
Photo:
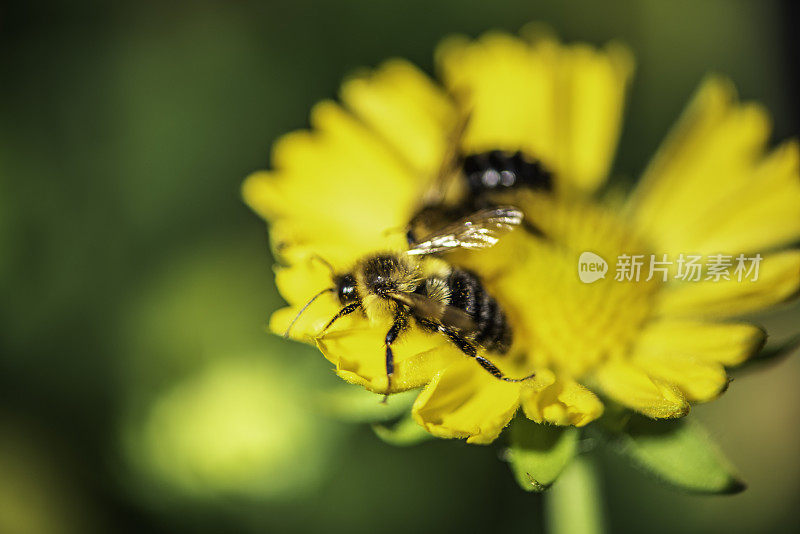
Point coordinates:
[(346, 288)]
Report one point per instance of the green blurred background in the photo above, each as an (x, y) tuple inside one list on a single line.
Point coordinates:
[(138, 389)]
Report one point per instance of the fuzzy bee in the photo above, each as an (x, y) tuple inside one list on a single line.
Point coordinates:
[(441, 298), (470, 182)]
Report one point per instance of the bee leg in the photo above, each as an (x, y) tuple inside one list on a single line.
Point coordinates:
[(399, 324), (470, 350), (347, 310)]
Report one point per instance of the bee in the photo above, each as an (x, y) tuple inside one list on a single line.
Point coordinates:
[(470, 182), (415, 285)]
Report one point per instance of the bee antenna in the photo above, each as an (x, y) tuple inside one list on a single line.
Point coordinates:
[(296, 317), (390, 231), (324, 262)]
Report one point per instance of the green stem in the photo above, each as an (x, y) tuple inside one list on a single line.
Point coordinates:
[(574, 504)]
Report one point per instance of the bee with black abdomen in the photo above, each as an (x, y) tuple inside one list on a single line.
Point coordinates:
[(470, 182), (416, 285)]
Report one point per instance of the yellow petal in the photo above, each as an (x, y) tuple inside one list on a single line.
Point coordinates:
[(724, 343), (300, 280), (403, 106), (592, 91), (710, 188), (503, 115), (560, 104), (359, 353), (464, 401), (760, 215), (309, 324), (329, 181), (635, 389), (698, 380), (298, 284), (559, 401), (778, 280)]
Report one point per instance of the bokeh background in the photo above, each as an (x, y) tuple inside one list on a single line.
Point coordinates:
[(139, 391)]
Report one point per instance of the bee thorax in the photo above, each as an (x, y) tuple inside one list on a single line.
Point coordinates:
[(385, 273)]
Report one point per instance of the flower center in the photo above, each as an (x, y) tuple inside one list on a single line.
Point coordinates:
[(572, 323)]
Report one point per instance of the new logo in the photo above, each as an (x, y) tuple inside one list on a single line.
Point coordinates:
[(591, 267)]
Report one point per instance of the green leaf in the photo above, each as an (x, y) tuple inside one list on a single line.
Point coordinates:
[(403, 433), (679, 452), (539, 452), (357, 405)]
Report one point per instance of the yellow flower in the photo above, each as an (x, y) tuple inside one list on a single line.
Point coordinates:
[(349, 186)]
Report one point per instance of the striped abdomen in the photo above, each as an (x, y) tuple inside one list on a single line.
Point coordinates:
[(497, 170), (468, 294)]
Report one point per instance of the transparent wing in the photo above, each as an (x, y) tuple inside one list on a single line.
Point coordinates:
[(448, 175), (482, 229), (435, 311)]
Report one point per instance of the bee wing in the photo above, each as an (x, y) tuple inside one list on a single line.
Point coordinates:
[(482, 229), (436, 311), (447, 174)]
